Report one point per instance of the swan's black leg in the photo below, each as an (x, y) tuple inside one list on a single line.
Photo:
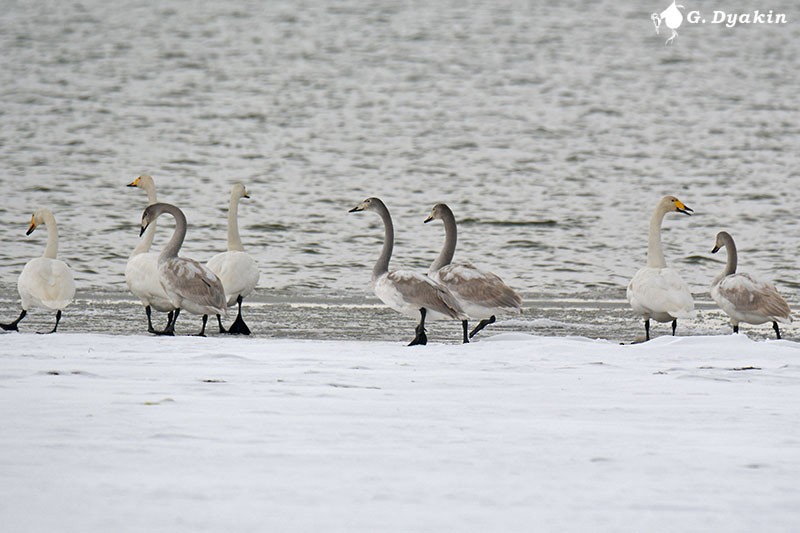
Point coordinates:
[(221, 327), (170, 329), (13, 325), (647, 329), (777, 329), (203, 329), (148, 312), (421, 338), (465, 326), (736, 328), (482, 324), (239, 327), (674, 326), (58, 319)]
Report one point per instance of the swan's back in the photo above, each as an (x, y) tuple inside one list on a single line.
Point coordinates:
[(750, 300), (238, 273), (141, 276), (480, 293), (46, 282), (192, 286), (660, 293), (406, 292)]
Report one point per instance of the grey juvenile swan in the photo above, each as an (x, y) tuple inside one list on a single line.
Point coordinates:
[(657, 291), (745, 298), (405, 291), (481, 294), (189, 285)]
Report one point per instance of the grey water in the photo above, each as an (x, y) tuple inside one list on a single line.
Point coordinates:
[(550, 128)]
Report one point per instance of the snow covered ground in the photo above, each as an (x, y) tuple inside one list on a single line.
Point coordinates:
[(512, 433)]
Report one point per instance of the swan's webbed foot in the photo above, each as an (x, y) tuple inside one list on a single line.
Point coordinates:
[(13, 326), (421, 338), (736, 328), (166, 330), (674, 326), (221, 327), (170, 329), (239, 327), (482, 324), (647, 330), (465, 327), (777, 330)]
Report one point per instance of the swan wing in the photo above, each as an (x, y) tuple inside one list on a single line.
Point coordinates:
[(656, 291), (141, 276), (238, 273), (486, 289), (195, 284), (748, 295), (416, 290), (46, 282)]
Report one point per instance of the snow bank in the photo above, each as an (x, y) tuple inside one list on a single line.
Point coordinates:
[(512, 433)]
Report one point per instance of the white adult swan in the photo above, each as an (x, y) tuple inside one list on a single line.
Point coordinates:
[(745, 298), (189, 285), (141, 272), (481, 294), (656, 291), (235, 268), (45, 281), (404, 291)]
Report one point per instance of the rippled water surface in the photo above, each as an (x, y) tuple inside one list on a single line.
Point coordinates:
[(551, 130)]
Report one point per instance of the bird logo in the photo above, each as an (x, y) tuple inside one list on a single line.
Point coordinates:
[(671, 17)]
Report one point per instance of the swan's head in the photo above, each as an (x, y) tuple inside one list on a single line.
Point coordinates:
[(37, 219), (438, 212), (656, 21), (239, 191), (148, 216), (723, 238), (670, 203), (370, 204), (143, 182)]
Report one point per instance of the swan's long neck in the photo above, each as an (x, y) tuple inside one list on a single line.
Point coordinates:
[(450, 237), (176, 241), (234, 241), (733, 257), (51, 251), (146, 240), (655, 253), (382, 265)]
